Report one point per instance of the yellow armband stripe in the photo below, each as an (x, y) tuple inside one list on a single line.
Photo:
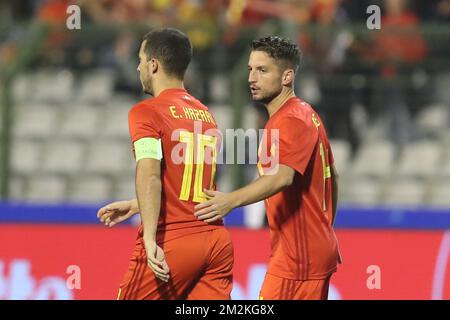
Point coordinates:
[(148, 148)]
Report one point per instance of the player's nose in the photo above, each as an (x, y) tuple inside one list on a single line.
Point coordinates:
[(251, 77)]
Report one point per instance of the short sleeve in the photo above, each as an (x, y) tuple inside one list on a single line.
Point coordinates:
[(297, 142), (143, 123)]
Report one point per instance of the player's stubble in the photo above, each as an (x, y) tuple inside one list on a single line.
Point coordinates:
[(265, 95), (147, 83)]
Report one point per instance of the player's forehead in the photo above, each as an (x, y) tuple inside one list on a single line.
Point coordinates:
[(141, 49), (259, 59)]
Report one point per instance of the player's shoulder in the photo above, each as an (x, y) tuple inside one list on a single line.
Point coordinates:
[(298, 111), (144, 106), (179, 98), (195, 101)]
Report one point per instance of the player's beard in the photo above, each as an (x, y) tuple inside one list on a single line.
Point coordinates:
[(147, 86), (266, 98)]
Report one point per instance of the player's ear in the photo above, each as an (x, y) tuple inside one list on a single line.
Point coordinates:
[(288, 77), (153, 65)]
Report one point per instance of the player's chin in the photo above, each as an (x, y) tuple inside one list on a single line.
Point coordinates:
[(147, 91), (257, 97)]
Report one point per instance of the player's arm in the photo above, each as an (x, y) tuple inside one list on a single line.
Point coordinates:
[(134, 205), (148, 184), (262, 188), (334, 191), (148, 152), (118, 211), (145, 133), (148, 191)]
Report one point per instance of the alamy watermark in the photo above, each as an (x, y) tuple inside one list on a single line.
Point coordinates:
[(374, 20), (73, 21), (73, 281), (237, 146), (374, 280)]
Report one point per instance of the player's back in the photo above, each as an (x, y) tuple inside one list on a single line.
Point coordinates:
[(190, 144)]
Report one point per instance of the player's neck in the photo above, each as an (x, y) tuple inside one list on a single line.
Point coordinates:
[(160, 86), (279, 100)]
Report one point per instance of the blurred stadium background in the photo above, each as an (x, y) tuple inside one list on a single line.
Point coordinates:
[(383, 95)]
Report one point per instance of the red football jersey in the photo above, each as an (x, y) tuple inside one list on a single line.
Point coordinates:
[(190, 144), (304, 245)]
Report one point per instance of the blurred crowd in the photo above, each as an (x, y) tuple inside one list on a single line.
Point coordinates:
[(229, 15), (227, 12), (220, 23)]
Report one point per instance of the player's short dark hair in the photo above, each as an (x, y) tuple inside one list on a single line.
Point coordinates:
[(285, 51), (170, 46)]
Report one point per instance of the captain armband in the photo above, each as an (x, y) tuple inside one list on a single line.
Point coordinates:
[(145, 148)]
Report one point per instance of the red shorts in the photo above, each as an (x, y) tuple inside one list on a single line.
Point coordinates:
[(201, 268), (276, 288)]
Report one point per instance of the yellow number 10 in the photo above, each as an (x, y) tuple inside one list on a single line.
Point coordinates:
[(203, 141), (326, 174)]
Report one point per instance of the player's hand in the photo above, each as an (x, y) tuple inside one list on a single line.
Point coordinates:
[(217, 207), (116, 212), (156, 260)]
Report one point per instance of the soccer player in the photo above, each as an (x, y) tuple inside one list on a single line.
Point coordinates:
[(297, 180), (175, 142)]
